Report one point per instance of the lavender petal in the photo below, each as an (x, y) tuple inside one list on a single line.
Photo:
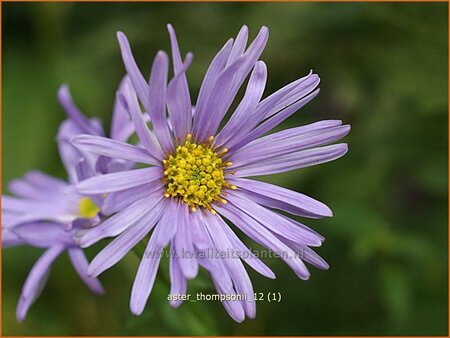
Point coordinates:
[(180, 113), (265, 237), (119, 181), (119, 200), (183, 244), (168, 224), (129, 100), (136, 78), (122, 244), (112, 148), (242, 116), (281, 198), (276, 119), (145, 277), (273, 146), (239, 45), (80, 264), (215, 68), (39, 234), (182, 88), (234, 266), (72, 111), (178, 283), (296, 160), (275, 222), (36, 280), (157, 97), (249, 257)]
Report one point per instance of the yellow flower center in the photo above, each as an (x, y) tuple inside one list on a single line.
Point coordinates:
[(195, 174), (87, 208)]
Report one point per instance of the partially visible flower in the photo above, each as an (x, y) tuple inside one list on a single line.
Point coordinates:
[(48, 212), (195, 174)]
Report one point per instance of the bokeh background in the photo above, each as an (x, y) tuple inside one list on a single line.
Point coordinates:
[(384, 71)]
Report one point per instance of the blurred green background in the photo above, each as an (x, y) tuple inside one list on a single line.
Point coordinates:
[(384, 70)]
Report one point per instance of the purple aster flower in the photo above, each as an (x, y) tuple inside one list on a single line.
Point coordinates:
[(196, 174), (48, 212)]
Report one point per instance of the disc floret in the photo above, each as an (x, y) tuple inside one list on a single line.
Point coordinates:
[(195, 174)]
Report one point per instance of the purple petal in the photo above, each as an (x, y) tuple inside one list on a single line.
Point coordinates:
[(19, 205), (302, 87), (284, 96), (119, 181), (157, 97), (116, 201), (145, 277), (200, 237), (215, 68), (183, 243), (226, 87), (70, 155), (279, 115), (234, 266), (168, 223), (176, 55), (276, 119), (83, 170), (26, 189), (123, 220), (296, 160), (17, 211), (273, 146), (36, 280), (9, 238), (80, 264), (251, 55), (218, 102), (39, 234), (122, 244), (179, 102), (116, 165), (131, 104), (212, 263), (307, 254), (234, 308), (120, 117), (239, 45), (216, 267), (275, 222), (45, 181), (273, 196), (248, 256), (75, 114), (265, 237), (240, 121), (178, 284), (182, 89), (112, 148), (138, 81)]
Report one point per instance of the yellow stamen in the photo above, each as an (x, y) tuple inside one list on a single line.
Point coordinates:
[(194, 174), (87, 208)]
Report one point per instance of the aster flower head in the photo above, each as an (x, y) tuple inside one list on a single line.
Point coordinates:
[(48, 212), (196, 173)]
